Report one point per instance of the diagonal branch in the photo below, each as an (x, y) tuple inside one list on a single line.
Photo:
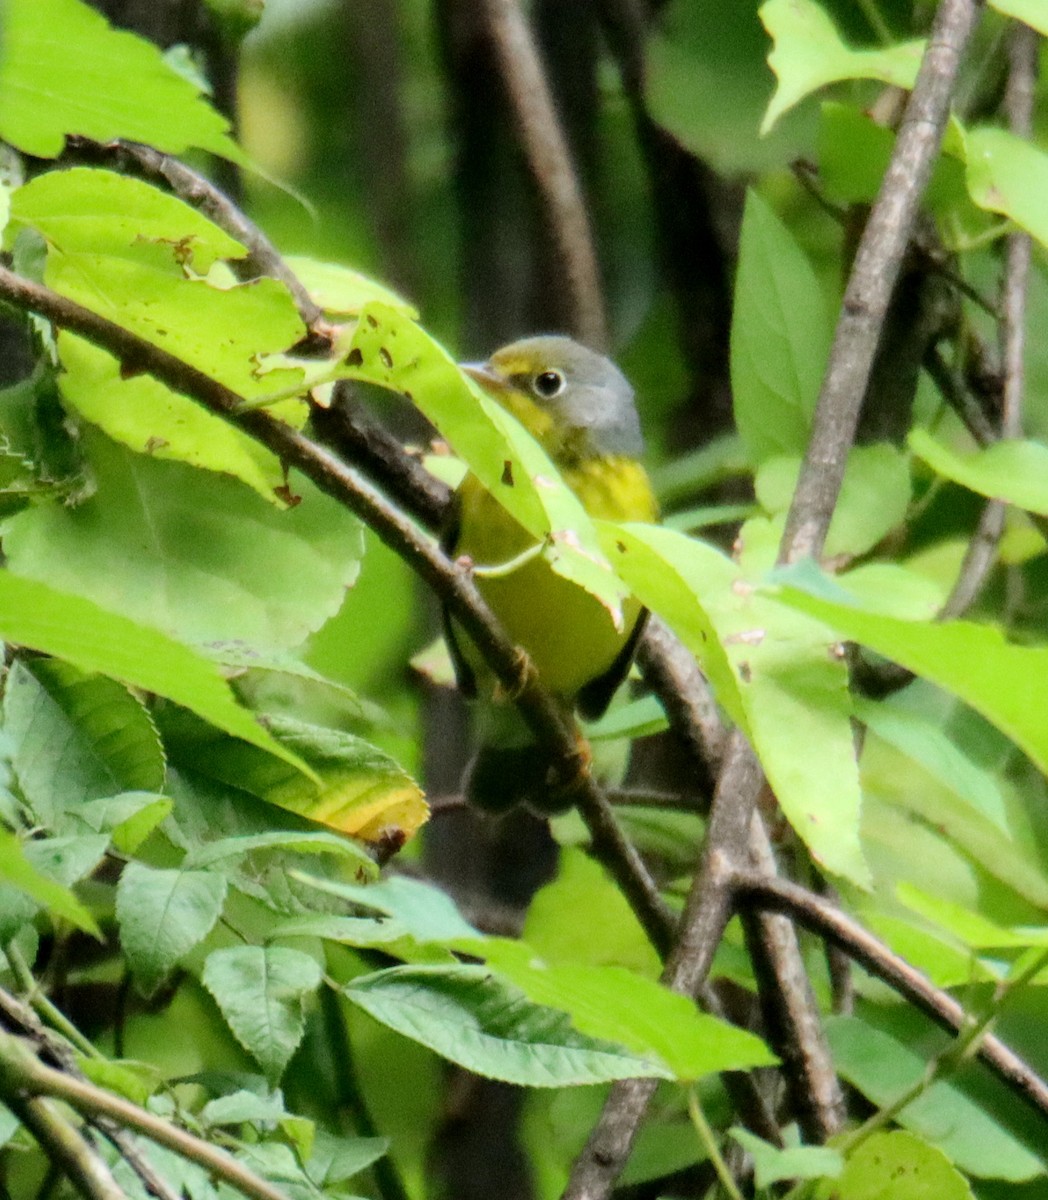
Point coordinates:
[(553, 729), (874, 272), (829, 922)]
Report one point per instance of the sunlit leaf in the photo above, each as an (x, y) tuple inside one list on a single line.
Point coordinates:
[(898, 1166), (1015, 471), (18, 873), (1008, 684), (75, 629), (772, 677), (341, 291), (391, 351), (809, 53), (771, 1164), (65, 70), (1030, 12), (190, 552), (619, 1006)]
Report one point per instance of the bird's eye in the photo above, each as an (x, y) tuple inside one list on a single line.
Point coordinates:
[(548, 384)]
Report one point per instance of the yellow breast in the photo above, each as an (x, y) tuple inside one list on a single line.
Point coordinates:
[(566, 632)]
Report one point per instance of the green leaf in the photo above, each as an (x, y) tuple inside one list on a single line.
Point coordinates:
[(262, 993), (603, 928), (884, 1070), (1030, 12), (616, 1005), (162, 915), (771, 1164), (341, 291), (469, 1016), (874, 498), (192, 553), (1007, 684), (707, 83), (299, 843), (1008, 175), (772, 677), (428, 913), (142, 414), (968, 808), (899, 1166), (16, 871), (69, 627), (809, 53), (780, 336), (1014, 471), (129, 818), (77, 737), (64, 70), (391, 351)]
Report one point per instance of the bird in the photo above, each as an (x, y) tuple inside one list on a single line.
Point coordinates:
[(581, 408)]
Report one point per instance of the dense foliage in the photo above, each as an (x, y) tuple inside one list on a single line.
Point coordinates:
[(220, 707)]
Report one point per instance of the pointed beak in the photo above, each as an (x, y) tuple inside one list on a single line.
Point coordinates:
[(483, 374)]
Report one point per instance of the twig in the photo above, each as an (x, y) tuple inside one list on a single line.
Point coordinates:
[(22, 1073), (876, 267), (1018, 106), (200, 193), (63, 1145), (709, 1142), (831, 923), (23, 1019), (548, 156), (554, 729)]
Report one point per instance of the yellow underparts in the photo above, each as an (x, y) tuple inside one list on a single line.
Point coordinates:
[(567, 633)]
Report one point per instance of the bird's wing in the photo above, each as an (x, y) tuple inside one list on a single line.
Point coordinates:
[(594, 697)]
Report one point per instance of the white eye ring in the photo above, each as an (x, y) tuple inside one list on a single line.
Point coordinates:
[(548, 384)]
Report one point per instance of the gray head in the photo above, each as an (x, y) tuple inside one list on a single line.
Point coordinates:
[(588, 397)]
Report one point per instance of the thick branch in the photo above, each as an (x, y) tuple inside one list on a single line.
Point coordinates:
[(556, 731), (874, 272), (831, 923), (550, 160)]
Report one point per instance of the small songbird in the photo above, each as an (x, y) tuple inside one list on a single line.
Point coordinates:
[(581, 408)]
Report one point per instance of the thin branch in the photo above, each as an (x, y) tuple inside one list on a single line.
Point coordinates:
[(553, 728), (63, 1144), (548, 156), (24, 1020), (23, 1074), (878, 260), (791, 1014), (831, 923), (705, 915), (200, 193), (1018, 106)]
